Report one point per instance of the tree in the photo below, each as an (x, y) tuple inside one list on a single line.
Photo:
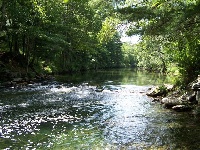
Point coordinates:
[(60, 35), (129, 55), (176, 22)]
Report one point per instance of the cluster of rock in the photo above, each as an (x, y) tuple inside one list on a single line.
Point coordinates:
[(196, 88), (176, 100), (24, 81)]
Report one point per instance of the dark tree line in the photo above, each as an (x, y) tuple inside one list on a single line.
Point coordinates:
[(59, 36)]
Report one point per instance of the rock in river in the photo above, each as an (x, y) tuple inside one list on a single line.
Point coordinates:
[(182, 108), (159, 90), (170, 102)]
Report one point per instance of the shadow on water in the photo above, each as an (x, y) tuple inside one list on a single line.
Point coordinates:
[(98, 110), (121, 76)]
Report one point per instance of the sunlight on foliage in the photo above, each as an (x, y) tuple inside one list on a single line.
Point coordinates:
[(108, 30), (65, 1)]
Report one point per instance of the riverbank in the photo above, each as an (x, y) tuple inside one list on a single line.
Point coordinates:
[(179, 100), (16, 72)]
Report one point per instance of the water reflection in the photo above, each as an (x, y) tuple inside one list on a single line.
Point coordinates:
[(62, 115), (116, 77)]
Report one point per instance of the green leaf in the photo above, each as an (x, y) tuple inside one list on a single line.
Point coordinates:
[(65, 1)]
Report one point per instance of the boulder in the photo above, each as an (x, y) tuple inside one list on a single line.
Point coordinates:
[(196, 88), (99, 88), (159, 90), (155, 91), (169, 87), (169, 102), (156, 99), (17, 80), (189, 97), (181, 108)]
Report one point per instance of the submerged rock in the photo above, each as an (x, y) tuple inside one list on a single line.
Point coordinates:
[(99, 88), (189, 97), (156, 99), (169, 102), (182, 108)]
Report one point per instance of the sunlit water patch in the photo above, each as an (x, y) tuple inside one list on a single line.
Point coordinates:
[(110, 114)]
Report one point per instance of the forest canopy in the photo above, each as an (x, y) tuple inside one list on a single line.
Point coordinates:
[(170, 32), (59, 36)]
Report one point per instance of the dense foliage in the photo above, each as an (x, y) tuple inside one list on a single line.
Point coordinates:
[(58, 36), (170, 33), (76, 35)]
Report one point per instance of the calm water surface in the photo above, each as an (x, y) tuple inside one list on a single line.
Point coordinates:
[(101, 110)]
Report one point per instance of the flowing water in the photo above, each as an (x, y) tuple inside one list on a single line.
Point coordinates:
[(99, 110)]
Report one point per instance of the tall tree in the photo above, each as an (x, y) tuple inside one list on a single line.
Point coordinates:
[(176, 21), (60, 35)]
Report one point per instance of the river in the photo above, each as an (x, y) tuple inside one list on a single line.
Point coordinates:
[(96, 110)]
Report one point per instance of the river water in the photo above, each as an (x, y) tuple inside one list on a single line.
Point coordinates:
[(96, 110)]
